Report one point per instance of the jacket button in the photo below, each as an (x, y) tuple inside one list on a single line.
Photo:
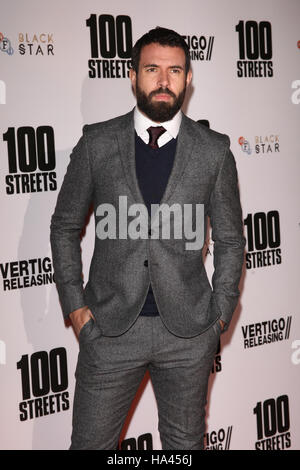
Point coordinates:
[(146, 263)]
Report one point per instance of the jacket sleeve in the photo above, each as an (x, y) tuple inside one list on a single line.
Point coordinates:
[(227, 234), (71, 209)]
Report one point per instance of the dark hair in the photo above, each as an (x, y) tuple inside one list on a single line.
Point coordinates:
[(164, 37)]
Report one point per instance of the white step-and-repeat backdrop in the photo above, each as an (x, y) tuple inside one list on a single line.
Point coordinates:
[(64, 64)]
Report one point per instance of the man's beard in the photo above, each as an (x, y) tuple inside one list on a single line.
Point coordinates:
[(159, 111)]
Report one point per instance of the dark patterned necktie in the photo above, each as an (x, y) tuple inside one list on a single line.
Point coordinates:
[(155, 133)]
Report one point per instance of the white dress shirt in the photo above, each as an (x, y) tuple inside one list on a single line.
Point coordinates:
[(142, 122)]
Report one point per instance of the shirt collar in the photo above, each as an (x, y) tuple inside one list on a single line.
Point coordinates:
[(142, 122)]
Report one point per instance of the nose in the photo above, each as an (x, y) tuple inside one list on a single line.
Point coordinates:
[(163, 79)]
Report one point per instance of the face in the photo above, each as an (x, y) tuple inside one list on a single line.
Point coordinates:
[(161, 81)]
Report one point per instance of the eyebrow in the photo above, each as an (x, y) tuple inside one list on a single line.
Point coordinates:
[(170, 67)]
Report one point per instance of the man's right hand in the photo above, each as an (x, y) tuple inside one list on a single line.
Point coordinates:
[(79, 317)]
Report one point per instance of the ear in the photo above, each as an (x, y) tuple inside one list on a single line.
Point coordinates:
[(132, 76), (188, 77)]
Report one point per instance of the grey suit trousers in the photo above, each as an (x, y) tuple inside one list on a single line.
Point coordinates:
[(110, 370)]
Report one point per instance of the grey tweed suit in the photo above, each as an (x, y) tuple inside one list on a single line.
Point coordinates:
[(102, 168)]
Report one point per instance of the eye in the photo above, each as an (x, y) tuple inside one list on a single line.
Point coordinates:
[(151, 69)]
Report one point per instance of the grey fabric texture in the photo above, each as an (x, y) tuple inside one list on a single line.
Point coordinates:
[(102, 168), (110, 370)]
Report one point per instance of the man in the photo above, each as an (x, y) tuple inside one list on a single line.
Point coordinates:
[(148, 303)]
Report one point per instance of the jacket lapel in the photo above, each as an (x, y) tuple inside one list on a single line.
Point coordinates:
[(184, 148), (126, 142)]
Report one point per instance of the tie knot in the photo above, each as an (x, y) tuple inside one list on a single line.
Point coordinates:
[(155, 133)]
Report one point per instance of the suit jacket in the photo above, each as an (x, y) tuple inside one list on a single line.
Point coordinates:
[(102, 168)]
